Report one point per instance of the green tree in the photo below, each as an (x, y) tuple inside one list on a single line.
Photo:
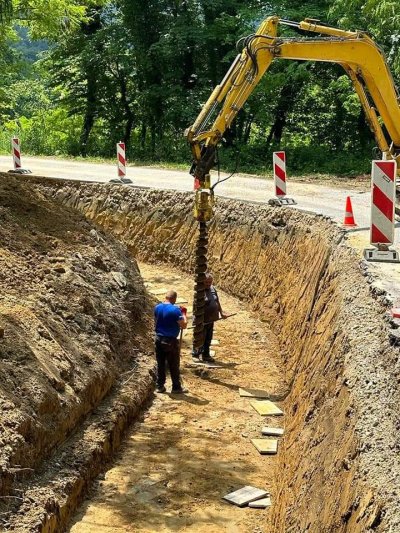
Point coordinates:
[(93, 69), (48, 20), (5, 10), (141, 71)]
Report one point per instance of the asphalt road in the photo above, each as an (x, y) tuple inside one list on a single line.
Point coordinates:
[(314, 197)]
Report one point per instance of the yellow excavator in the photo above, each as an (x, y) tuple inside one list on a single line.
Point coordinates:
[(360, 57)]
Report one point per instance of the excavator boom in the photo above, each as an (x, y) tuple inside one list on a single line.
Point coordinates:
[(356, 52)]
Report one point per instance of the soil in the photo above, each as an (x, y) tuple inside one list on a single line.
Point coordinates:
[(71, 308), (189, 451), (337, 464), (337, 469)]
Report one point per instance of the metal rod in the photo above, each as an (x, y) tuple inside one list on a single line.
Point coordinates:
[(218, 319), (180, 342), (286, 22)]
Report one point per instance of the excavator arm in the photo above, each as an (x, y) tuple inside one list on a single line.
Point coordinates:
[(360, 57), (356, 52)]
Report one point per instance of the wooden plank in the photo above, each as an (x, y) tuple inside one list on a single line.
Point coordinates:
[(273, 432), (266, 446), (253, 393), (245, 495), (266, 407)]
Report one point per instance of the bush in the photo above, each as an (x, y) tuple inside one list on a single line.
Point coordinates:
[(300, 160), (53, 133)]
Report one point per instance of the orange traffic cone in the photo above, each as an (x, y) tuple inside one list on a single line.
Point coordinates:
[(349, 221)]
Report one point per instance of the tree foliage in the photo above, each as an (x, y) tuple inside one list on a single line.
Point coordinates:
[(140, 72), (48, 18)]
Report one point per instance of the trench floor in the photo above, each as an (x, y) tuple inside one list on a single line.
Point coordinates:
[(188, 451)]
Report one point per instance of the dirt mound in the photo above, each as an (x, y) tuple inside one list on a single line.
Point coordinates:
[(72, 306), (338, 465)]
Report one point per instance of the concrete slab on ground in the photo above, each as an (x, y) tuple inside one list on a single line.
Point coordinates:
[(193, 364), (157, 292), (266, 446), (245, 495), (272, 432), (253, 393), (261, 504), (266, 407)]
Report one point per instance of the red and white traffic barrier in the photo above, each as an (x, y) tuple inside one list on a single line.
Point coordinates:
[(121, 165), (16, 152), (382, 212), (383, 198), (279, 162), (121, 160), (280, 173)]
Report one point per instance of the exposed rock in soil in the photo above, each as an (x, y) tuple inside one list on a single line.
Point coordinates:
[(72, 305), (338, 466)]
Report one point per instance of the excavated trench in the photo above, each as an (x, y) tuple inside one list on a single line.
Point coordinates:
[(337, 466)]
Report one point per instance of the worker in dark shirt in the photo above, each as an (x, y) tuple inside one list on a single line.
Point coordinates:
[(169, 320), (212, 313)]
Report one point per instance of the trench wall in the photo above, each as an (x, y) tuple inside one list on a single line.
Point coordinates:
[(71, 320), (338, 465)]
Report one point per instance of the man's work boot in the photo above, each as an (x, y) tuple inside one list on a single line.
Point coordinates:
[(161, 389), (195, 355), (181, 390)]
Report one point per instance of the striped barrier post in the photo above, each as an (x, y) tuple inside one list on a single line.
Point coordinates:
[(279, 164), (121, 165), (382, 204), (279, 159), (383, 196), (16, 152), (121, 160)]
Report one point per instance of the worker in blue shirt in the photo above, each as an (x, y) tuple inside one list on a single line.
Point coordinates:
[(169, 320)]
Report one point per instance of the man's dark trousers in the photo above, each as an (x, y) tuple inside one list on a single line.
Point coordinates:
[(167, 351), (208, 335)]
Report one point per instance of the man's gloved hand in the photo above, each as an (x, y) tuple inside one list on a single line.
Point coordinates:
[(183, 310)]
